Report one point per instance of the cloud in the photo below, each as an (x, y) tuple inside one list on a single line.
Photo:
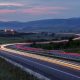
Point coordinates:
[(43, 10), (7, 11), (11, 4), (3, 19)]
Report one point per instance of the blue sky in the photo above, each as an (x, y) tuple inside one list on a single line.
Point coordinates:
[(29, 10)]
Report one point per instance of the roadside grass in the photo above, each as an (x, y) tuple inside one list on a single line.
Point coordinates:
[(73, 50), (11, 72), (73, 46)]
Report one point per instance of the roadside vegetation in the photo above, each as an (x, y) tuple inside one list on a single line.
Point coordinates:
[(70, 46), (73, 50), (10, 72), (6, 40)]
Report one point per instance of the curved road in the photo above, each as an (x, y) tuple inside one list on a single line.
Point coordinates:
[(52, 53), (50, 70)]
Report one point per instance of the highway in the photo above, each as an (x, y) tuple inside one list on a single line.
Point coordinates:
[(51, 53), (50, 70)]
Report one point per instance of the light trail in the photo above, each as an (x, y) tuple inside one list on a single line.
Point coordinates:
[(43, 58)]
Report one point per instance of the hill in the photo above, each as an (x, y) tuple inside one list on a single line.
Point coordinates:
[(50, 25), (54, 25), (11, 25)]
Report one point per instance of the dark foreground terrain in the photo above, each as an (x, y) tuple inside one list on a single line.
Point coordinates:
[(10, 72)]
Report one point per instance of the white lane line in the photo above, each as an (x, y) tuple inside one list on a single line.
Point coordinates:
[(69, 74)]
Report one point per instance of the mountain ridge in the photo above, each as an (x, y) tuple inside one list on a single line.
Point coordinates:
[(49, 25)]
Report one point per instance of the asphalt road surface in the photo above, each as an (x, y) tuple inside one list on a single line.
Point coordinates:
[(50, 70)]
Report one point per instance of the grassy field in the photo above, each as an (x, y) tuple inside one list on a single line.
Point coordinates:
[(10, 72), (4, 40)]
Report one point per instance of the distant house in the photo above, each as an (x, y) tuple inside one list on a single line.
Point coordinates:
[(10, 31)]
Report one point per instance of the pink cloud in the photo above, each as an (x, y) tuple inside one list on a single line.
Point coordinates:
[(34, 11), (11, 4), (7, 11), (43, 10)]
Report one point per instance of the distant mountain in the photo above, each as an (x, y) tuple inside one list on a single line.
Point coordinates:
[(11, 25), (50, 25), (54, 25)]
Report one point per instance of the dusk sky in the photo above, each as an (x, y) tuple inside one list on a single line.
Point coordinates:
[(29, 10)]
